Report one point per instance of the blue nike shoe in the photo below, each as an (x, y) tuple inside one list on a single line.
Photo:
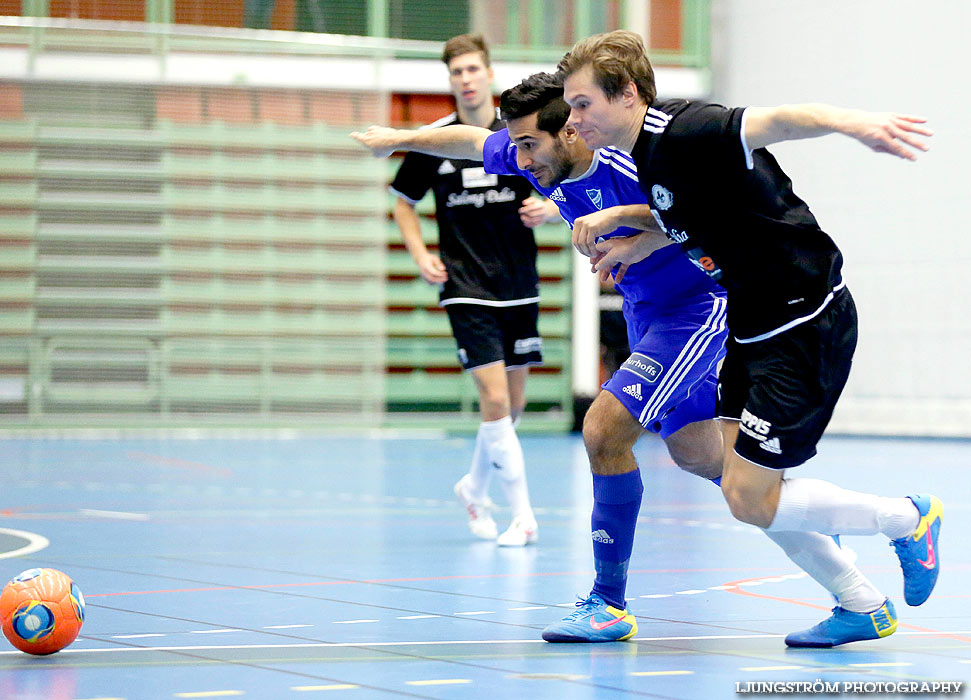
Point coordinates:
[(918, 553), (593, 621), (844, 626)]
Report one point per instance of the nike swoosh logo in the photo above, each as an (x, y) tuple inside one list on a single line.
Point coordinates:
[(931, 558), (604, 625)]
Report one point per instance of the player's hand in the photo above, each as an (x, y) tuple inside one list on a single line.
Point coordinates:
[(888, 132), (625, 251), (604, 274), (381, 140), (535, 211), (432, 269), (587, 229)]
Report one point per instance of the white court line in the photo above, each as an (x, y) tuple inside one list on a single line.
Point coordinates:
[(35, 543), (353, 622), (882, 664), (219, 631), (112, 514)]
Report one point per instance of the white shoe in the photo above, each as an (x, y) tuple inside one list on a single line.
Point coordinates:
[(520, 533), (481, 523)]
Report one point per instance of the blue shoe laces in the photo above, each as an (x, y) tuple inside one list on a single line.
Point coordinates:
[(581, 608)]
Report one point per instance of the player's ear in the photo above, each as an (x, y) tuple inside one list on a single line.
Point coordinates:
[(630, 94), (569, 134)]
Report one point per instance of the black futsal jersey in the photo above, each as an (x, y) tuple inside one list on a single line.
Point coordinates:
[(489, 254), (734, 213)]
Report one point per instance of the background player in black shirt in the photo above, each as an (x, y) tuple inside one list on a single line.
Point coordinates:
[(791, 318), (486, 271)]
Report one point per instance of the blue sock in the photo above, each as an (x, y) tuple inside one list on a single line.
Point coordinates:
[(616, 502)]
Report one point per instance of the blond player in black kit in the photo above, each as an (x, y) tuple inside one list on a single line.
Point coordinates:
[(791, 319)]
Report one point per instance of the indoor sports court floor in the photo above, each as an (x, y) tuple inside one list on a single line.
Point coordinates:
[(341, 567)]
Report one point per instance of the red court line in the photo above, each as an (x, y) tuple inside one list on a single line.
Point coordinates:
[(794, 601)]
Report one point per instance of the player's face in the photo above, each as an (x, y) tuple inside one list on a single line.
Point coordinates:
[(469, 80), (600, 122), (545, 156)]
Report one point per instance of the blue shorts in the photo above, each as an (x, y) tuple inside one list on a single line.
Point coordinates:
[(671, 376)]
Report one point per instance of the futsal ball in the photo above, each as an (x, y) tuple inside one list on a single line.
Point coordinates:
[(41, 611)]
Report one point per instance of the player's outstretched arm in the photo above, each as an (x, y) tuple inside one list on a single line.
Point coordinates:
[(457, 141), (883, 132)]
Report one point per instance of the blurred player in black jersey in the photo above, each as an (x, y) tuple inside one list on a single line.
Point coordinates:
[(791, 319), (486, 273)]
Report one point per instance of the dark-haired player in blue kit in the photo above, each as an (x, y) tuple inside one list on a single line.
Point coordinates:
[(674, 313)]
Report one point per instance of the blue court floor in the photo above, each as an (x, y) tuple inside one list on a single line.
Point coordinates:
[(341, 567)]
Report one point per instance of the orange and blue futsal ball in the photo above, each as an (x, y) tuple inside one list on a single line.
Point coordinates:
[(41, 611)]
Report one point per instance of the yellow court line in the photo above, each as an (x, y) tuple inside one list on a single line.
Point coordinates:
[(210, 694), (441, 681), (334, 686), (662, 673)]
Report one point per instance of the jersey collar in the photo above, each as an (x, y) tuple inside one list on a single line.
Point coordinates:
[(590, 171)]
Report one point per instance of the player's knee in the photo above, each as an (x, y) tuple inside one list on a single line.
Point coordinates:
[(746, 505), (706, 463), (494, 404), (602, 437)]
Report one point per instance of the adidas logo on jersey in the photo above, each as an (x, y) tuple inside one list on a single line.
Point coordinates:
[(772, 445), (557, 195), (446, 167), (634, 390), (602, 537)]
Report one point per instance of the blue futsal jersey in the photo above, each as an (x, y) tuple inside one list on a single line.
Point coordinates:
[(665, 277), (675, 313)]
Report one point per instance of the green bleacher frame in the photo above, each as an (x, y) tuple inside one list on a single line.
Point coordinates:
[(211, 290)]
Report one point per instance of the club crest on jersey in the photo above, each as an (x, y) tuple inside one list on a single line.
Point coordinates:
[(663, 199), (596, 197)]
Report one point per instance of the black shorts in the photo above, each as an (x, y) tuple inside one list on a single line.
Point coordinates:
[(489, 334), (783, 390)]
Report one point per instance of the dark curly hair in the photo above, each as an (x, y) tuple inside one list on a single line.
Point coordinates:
[(541, 93)]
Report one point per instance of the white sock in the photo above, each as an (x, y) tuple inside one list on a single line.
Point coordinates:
[(818, 506), (831, 567), (480, 472), (506, 458)]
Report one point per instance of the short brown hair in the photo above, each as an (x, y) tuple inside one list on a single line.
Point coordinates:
[(463, 44), (617, 58)]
